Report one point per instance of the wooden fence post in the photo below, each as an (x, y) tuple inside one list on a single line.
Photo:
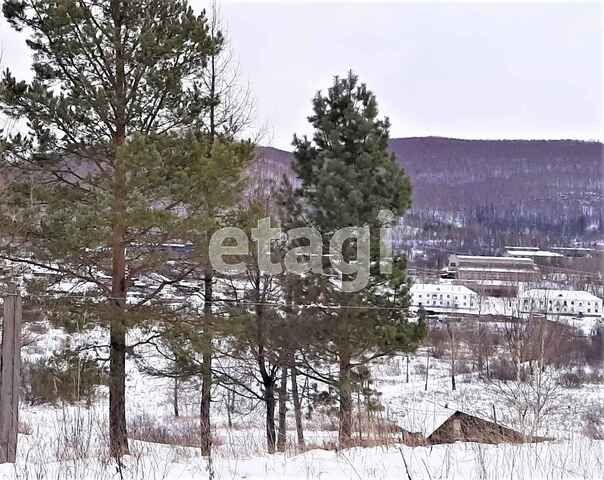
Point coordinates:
[(10, 376)]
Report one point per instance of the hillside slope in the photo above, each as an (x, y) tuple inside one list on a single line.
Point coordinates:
[(535, 188)]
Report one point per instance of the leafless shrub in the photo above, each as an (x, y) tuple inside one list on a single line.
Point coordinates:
[(184, 431), (420, 369), (593, 424), (530, 398), (24, 428), (595, 376), (74, 432), (571, 380), (325, 445), (328, 423), (392, 367), (502, 369), (37, 328), (579, 377), (462, 367), (438, 340)]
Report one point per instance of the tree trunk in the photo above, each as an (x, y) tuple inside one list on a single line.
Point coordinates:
[(268, 379), (175, 398), (206, 362), (453, 355), (230, 408), (297, 404), (427, 368), (204, 409), (345, 391), (282, 436), (118, 435), (269, 400), (453, 386), (206, 370), (359, 415)]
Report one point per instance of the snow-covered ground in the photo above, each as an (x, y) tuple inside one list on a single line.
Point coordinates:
[(70, 442), (561, 460)]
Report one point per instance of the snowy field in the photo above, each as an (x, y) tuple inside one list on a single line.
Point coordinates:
[(69, 442), (558, 460)]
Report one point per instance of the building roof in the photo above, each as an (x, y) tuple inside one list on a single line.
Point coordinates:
[(499, 268), (424, 417), (488, 259), (427, 417), (559, 293), (449, 288), (509, 247), (466, 262), (533, 253)]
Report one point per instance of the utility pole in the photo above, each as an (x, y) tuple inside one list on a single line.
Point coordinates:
[(10, 375)]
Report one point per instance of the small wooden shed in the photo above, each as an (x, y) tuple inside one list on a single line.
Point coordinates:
[(463, 427), (440, 424)]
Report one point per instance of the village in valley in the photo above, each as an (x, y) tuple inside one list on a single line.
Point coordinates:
[(524, 283)]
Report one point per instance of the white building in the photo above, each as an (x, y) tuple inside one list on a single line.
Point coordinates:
[(534, 254), (444, 297), (561, 302)]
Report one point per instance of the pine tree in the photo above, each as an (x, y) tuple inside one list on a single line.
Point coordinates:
[(90, 170), (348, 177)]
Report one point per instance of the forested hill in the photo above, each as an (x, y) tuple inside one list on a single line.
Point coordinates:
[(539, 187), (469, 173)]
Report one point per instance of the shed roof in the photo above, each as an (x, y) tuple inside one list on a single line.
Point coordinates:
[(424, 418)]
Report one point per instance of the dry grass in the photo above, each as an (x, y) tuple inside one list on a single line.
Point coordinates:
[(182, 432), (593, 426)]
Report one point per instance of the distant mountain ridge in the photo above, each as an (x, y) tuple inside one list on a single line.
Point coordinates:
[(538, 184), (470, 172)]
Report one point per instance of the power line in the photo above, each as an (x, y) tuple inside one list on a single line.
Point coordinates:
[(218, 300)]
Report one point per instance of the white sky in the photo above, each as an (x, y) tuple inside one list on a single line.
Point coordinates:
[(464, 70)]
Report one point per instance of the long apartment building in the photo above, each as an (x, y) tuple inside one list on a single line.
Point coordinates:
[(445, 297), (560, 302), (449, 298), (493, 269)]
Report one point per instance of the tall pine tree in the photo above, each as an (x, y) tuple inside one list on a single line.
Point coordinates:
[(88, 174), (348, 177)]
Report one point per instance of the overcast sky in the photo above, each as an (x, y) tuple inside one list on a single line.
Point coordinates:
[(463, 70)]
